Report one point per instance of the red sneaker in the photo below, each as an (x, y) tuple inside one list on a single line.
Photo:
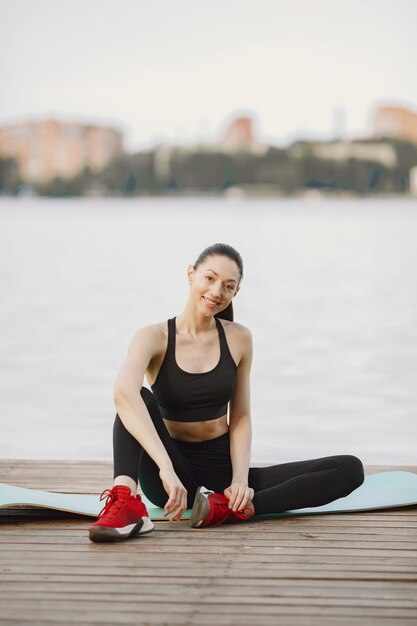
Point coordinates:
[(122, 516), (212, 509)]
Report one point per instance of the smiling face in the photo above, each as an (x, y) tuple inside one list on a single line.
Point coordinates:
[(214, 283)]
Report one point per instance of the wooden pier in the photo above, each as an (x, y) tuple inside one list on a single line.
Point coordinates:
[(321, 570)]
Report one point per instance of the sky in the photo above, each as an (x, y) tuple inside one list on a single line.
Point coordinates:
[(179, 71)]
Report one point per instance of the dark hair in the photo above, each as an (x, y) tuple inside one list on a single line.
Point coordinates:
[(222, 249)]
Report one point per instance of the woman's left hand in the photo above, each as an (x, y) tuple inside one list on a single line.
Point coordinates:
[(239, 494)]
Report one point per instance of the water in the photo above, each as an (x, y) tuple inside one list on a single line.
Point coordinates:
[(329, 292)]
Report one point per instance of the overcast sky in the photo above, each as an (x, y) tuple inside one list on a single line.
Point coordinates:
[(179, 70)]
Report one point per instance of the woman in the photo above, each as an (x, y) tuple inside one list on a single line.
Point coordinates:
[(176, 438)]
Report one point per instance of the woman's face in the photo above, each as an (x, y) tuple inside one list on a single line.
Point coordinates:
[(214, 283)]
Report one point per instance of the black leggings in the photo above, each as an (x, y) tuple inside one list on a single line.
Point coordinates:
[(277, 488)]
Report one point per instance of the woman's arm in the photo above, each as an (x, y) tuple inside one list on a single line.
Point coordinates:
[(128, 401), (240, 426), (136, 419)]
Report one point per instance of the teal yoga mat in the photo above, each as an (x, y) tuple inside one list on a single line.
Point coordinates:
[(378, 491)]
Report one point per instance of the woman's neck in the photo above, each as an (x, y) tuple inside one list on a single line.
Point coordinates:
[(193, 322)]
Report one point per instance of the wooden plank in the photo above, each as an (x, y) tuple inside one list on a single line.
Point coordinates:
[(316, 587), (217, 606), (198, 548), (205, 620), (241, 556), (205, 537), (258, 605), (231, 593), (296, 571), (162, 619), (302, 568)]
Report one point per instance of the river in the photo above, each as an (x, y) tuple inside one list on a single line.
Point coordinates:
[(329, 292)]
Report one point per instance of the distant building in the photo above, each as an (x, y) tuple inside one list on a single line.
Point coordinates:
[(396, 123), (49, 148), (363, 151), (240, 136)]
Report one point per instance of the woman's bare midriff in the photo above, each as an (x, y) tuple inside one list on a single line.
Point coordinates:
[(197, 431)]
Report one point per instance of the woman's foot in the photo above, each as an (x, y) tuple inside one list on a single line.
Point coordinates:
[(123, 516), (212, 509)]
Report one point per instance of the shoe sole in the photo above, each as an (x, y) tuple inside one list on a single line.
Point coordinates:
[(200, 510), (102, 534)]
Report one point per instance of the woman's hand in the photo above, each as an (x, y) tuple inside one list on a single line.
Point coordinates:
[(239, 494), (177, 500)]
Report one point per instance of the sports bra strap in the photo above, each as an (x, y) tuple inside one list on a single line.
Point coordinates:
[(221, 332), (170, 336)]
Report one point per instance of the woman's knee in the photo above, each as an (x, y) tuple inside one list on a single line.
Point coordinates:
[(147, 394), (353, 470), (150, 402)]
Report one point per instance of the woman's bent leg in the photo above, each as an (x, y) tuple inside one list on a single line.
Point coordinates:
[(301, 484), (127, 451), (130, 458)]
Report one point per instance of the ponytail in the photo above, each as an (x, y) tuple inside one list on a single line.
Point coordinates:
[(227, 314)]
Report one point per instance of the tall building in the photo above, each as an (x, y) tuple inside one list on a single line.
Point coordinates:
[(395, 122), (240, 135), (49, 148)]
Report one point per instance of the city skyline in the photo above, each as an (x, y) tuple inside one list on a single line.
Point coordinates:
[(182, 72)]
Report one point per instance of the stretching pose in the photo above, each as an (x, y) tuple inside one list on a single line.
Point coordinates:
[(177, 439)]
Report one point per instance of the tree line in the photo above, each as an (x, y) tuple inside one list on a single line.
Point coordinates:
[(285, 171)]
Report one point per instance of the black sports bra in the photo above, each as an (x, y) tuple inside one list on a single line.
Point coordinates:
[(194, 397)]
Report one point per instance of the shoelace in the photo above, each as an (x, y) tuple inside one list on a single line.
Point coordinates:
[(110, 494), (221, 511)]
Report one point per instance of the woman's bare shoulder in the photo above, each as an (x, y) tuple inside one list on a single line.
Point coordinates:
[(153, 334), (236, 327), (239, 337)]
